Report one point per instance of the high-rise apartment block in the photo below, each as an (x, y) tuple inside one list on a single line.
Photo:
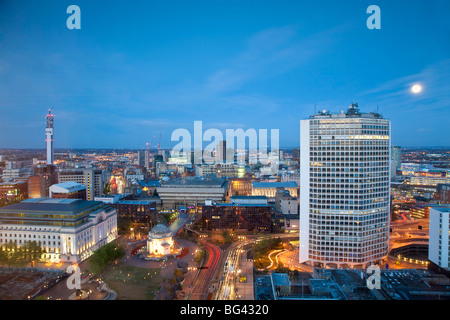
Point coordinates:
[(144, 159), (344, 188), (93, 179)]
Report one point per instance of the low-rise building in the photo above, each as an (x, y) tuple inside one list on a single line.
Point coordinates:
[(69, 230), (269, 189), (13, 191), (235, 216), (68, 190), (141, 212), (191, 191)]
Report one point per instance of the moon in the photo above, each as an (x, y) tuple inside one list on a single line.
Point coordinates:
[(417, 88)]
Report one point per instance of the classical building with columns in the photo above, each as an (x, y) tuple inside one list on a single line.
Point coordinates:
[(160, 242), (69, 230)]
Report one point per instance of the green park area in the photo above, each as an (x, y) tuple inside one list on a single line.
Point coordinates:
[(132, 283)]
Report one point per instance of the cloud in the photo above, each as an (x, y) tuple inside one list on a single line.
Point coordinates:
[(395, 96)]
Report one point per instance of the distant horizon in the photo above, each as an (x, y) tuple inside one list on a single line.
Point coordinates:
[(132, 149)]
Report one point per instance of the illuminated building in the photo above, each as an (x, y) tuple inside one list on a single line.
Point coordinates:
[(218, 170), (269, 189), (69, 230), (344, 188), (241, 171), (160, 241), (12, 191), (429, 180), (240, 186)]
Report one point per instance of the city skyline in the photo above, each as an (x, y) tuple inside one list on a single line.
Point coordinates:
[(134, 72)]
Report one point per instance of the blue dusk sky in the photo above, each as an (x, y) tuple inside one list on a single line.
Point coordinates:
[(138, 69)]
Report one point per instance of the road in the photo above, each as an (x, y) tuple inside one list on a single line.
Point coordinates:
[(202, 282), (236, 265), (231, 270), (178, 223), (406, 231)]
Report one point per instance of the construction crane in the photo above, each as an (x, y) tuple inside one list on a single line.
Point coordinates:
[(149, 145), (159, 143)]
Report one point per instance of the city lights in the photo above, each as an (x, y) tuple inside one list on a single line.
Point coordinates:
[(254, 153)]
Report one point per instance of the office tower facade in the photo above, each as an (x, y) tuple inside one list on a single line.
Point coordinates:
[(344, 188), (49, 138), (397, 156), (439, 242), (144, 158), (221, 152)]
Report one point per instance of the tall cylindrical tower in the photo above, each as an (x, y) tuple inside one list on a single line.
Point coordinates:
[(344, 188), (49, 137)]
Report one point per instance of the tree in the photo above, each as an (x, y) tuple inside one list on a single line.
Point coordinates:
[(124, 226), (107, 188), (227, 238), (200, 254), (103, 256), (32, 252)]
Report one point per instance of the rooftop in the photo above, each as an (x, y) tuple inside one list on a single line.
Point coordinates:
[(51, 205), (352, 112), (69, 186), (222, 204), (150, 183), (160, 230), (280, 279), (195, 182), (249, 197), (288, 184), (12, 183), (443, 209)]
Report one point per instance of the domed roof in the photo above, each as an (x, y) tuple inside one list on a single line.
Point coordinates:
[(159, 230)]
